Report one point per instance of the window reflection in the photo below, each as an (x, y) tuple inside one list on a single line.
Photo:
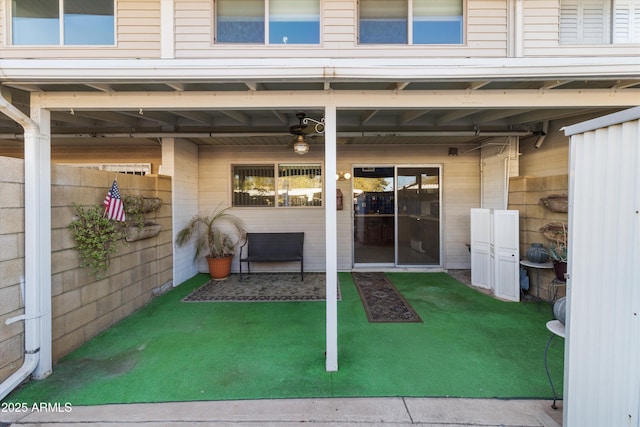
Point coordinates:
[(37, 22)]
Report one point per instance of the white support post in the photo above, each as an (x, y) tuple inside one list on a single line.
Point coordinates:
[(167, 27), (331, 237), (37, 236)]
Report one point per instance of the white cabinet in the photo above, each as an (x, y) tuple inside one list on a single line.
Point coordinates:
[(495, 252), (480, 248)]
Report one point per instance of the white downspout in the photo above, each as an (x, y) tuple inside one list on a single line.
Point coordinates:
[(31, 314)]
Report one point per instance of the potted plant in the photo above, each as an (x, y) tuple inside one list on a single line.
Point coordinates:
[(557, 233), (218, 233), (96, 236)]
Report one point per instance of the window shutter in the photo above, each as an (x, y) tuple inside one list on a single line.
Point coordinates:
[(584, 22), (626, 21)]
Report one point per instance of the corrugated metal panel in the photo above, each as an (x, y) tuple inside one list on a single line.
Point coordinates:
[(602, 358)]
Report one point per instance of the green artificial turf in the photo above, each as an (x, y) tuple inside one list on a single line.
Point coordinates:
[(469, 345)]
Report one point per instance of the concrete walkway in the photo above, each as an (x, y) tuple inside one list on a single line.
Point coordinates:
[(395, 411)]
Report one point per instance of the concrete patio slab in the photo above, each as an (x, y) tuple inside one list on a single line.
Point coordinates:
[(395, 411)]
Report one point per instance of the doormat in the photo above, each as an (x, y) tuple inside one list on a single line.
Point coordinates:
[(381, 300), (263, 287)]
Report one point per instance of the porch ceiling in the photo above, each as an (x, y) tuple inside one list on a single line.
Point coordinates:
[(270, 127)]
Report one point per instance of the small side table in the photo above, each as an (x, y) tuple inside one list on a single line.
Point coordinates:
[(554, 287), (556, 328), (538, 266)]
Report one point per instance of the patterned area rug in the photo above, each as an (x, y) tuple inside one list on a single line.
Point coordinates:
[(381, 300), (266, 287)]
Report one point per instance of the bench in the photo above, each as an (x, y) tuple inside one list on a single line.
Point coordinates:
[(272, 247)]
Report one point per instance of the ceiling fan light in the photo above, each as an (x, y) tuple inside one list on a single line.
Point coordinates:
[(300, 146)]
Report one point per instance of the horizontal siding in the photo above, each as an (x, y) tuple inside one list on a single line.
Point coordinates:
[(553, 156), (486, 35), (487, 28), (138, 27), (3, 26), (339, 23), (541, 35), (179, 158), (460, 193), (582, 50), (193, 27), (541, 25)]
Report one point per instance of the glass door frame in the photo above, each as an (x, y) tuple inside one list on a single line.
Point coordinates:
[(395, 263)]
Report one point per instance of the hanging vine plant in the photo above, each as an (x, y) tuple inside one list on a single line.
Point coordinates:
[(97, 238)]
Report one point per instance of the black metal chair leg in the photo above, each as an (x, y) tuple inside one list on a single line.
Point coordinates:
[(546, 367)]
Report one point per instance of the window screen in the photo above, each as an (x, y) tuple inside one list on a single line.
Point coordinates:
[(289, 21), (240, 21), (437, 21), (383, 21), (253, 185), (88, 22), (294, 184), (37, 22), (294, 22), (299, 185)]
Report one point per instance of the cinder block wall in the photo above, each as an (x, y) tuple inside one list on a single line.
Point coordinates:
[(525, 193), (82, 306), (11, 263)]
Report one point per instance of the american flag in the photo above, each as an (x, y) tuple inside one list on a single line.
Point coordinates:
[(113, 203)]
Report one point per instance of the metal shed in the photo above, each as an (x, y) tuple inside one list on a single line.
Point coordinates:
[(602, 353)]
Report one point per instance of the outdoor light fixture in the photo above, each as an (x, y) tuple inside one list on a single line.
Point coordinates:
[(453, 152), (343, 176), (542, 135), (300, 144)]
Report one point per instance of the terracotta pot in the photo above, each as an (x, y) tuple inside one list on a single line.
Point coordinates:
[(219, 268)]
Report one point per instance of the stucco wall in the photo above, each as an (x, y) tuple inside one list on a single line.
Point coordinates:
[(82, 306)]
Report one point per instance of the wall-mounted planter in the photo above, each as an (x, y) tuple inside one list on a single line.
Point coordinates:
[(150, 204), (134, 232), (556, 202)]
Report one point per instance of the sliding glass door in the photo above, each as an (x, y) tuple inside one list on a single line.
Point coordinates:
[(373, 213), (418, 218), (396, 215)]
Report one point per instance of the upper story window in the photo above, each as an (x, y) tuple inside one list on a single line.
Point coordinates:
[(411, 22), (599, 21), (62, 22), (278, 21)]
